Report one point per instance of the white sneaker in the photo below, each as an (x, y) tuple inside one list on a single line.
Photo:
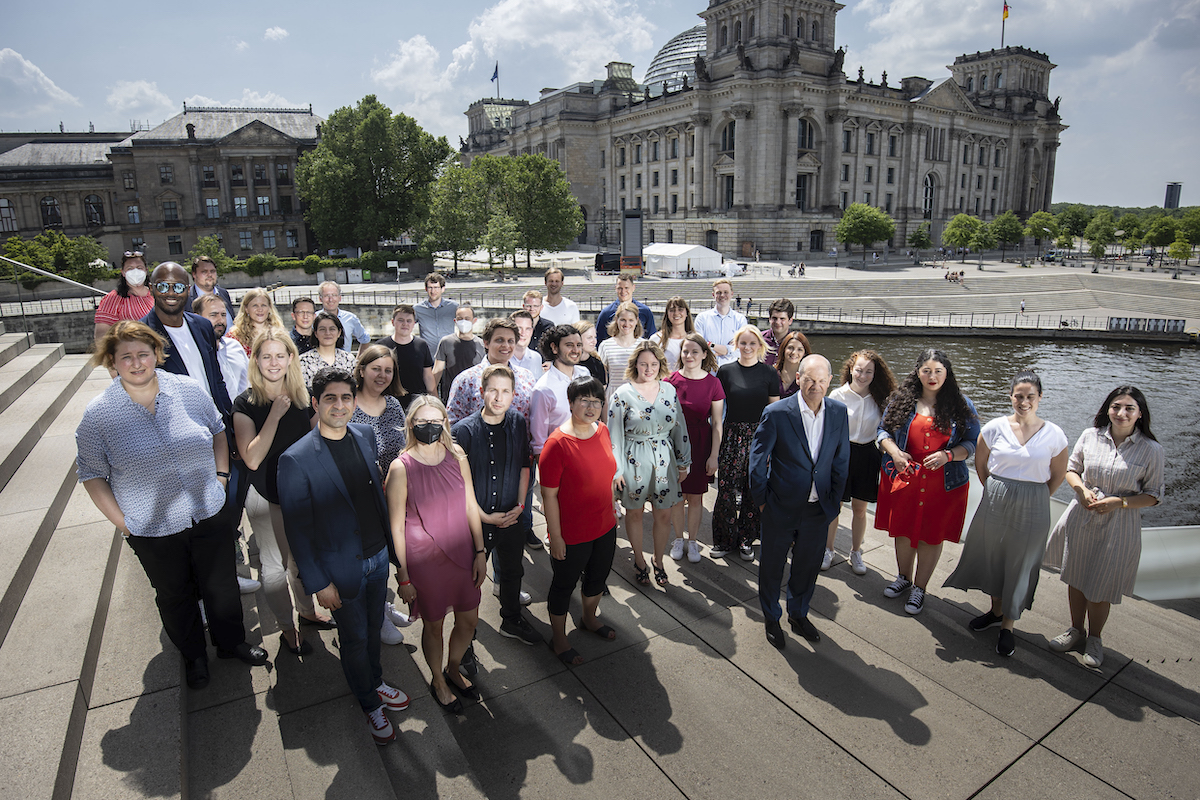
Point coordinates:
[(524, 598), (747, 552), (693, 551), (856, 563), (827, 561), (1067, 640), (248, 585), (381, 727), (1093, 655), (389, 633), (396, 616), (393, 699), (677, 549), (716, 552)]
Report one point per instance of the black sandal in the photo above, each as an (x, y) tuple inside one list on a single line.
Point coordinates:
[(471, 691), (455, 706), (642, 575), (660, 576)]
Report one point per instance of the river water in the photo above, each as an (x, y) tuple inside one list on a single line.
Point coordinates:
[(1076, 377)]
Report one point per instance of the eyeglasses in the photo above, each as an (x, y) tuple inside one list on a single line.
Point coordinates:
[(164, 287), (133, 254), (591, 403)]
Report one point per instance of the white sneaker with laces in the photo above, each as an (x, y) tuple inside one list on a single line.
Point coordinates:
[(393, 699), (1067, 640), (396, 616), (827, 561), (677, 549), (693, 551), (381, 727), (1093, 655), (747, 552), (389, 633), (856, 563)]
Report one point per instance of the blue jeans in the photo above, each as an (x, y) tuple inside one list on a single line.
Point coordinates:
[(359, 621)]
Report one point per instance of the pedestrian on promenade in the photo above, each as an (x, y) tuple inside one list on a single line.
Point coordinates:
[(1021, 460), (928, 431), (1115, 470)]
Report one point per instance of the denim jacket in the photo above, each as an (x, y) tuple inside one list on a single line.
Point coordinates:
[(956, 472)]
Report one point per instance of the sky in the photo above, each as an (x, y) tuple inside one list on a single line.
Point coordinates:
[(1128, 70)]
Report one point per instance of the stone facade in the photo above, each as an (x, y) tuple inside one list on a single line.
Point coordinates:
[(224, 171), (768, 140)]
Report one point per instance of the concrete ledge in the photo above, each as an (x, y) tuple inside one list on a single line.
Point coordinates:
[(19, 374)]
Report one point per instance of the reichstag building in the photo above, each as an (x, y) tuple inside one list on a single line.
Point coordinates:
[(747, 135)]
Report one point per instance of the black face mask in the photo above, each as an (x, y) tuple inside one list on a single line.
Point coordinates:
[(427, 432)]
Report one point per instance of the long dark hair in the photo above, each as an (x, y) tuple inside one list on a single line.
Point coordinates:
[(1143, 421), (951, 408), (883, 383)]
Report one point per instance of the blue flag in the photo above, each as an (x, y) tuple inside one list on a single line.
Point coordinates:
[(496, 74)]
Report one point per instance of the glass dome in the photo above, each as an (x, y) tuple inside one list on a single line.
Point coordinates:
[(677, 58)]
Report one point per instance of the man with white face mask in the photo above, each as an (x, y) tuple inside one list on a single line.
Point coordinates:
[(457, 351), (130, 300)]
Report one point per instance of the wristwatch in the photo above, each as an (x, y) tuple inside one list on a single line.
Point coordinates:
[(1124, 502)]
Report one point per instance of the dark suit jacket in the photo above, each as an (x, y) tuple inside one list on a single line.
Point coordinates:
[(206, 341), (320, 520), (782, 471), (220, 292)]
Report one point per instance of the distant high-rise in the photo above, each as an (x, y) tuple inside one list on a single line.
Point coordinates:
[(1172, 200)]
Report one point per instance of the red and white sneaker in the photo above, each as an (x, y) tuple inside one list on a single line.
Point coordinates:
[(381, 727), (393, 698)]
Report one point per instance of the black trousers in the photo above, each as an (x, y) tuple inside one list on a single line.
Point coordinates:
[(194, 564), (592, 560), (506, 548)]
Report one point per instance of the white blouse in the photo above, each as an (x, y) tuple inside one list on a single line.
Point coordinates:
[(864, 414), (1008, 458)]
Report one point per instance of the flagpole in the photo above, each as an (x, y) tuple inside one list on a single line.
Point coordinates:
[(1003, 22)]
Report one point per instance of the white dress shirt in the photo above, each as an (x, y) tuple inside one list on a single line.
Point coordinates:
[(814, 431)]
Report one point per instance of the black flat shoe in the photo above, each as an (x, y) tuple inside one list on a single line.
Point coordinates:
[(196, 671), (454, 705), (320, 624), (802, 627), (470, 692), (775, 634), (303, 649), (247, 653)]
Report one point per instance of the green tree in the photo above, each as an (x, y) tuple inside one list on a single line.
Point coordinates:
[(1102, 229), (370, 176), (1041, 226), (211, 246), (501, 238), (81, 259), (457, 221), (865, 225), (1097, 251), (1189, 223), (1181, 248), (1160, 234), (920, 239), (1072, 222), (1133, 229), (1008, 230), (984, 238), (960, 231), (545, 211)]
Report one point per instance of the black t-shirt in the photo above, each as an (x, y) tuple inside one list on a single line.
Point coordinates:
[(357, 477), (292, 425), (460, 355), (411, 361), (596, 367), (747, 390)]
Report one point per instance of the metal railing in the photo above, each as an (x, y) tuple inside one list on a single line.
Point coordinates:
[(23, 309)]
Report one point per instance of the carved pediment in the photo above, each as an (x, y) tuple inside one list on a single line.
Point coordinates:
[(1002, 143), (672, 131), (167, 195), (896, 129), (634, 138), (723, 160), (968, 138), (257, 134), (851, 123), (652, 136), (874, 126), (808, 161), (947, 95)]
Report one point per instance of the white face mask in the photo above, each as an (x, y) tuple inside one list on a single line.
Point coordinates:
[(135, 277), (463, 325)]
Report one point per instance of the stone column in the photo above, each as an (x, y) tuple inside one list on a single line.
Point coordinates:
[(791, 113), (197, 199), (743, 155), (226, 188), (1048, 175), (274, 185), (701, 160)]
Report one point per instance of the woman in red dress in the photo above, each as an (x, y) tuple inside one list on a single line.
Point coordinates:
[(927, 433)]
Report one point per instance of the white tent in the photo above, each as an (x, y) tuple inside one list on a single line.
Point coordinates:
[(673, 260)]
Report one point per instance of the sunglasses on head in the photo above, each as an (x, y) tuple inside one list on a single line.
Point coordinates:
[(133, 254), (165, 287)]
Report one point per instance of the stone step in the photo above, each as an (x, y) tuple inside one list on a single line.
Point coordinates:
[(12, 345), (20, 373)]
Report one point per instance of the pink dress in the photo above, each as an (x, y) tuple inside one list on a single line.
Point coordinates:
[(439, 550)]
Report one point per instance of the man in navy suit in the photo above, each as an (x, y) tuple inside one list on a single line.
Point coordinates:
[(336, 518), (798, 466)]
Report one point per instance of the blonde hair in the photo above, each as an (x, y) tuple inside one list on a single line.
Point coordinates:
[(128, 330), (624, 308), (293, 379), (725, 281), (243, 326), (410, 414), (762, 344), (646, 346)]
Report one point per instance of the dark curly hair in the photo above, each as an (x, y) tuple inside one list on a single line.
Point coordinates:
[(951, 408), (882, 384)]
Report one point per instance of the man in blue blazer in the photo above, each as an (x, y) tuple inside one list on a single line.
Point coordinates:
[(337, 524), (798, 466)]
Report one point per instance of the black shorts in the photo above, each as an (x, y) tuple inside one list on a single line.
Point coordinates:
[(863, 481)]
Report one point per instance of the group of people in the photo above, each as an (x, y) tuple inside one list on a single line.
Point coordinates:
[(422, 451)]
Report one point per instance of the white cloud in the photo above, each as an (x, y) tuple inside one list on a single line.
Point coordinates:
[(241, 45), (25, 90), (275, 34), (249, 99), (139, 100)]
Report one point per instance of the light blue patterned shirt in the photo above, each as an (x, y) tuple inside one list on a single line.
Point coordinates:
[(353, 330), (160, 466)]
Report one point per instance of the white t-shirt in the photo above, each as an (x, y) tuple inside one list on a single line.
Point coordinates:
[(1022, 462), (189, 351), (565, 313), (670, 350), (864, 414)]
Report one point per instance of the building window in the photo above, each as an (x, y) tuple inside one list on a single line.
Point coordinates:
[(724, 35), (691, 175), (983, 83), (887, 206), (93, 209), (638, 201), (285, 204), (637, 181), (260, 175), (293, 237), (637, 154), (927, 198), (652, 240), (166, 173), (654, 179), (674, 205), (977, 201), (135, 215), (845, 172), (993, 206), (892, 146), (137, 243), (237, 177), (787, 25), (621, 183), (970, 85), (209, 176), (128, 180), (962, 202), (239, 207), (737, 31), (654, 204), (654, 151), (869, 174), (845, 200), (867, 198), (729, 137), (691, 148), (621, 157), (601, 159), (282, 176), (670, 236), (51, 216), (8, 216), (802, 192), (982, 157), (816, 31), (264, 205), (170, 210), (246, 240), (870, 143), (175, 245), (891, 174), (999, 84), (962, 181), (622, 204), (805, 139), (847, 141), (978, 182), (995, 183), (674, 177), (728, 191), (268, 240), (212, 208), (674, 147), (800, 29), (966, 154), (997, 160)]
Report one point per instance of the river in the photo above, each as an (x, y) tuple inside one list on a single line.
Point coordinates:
[(1076, 377)]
